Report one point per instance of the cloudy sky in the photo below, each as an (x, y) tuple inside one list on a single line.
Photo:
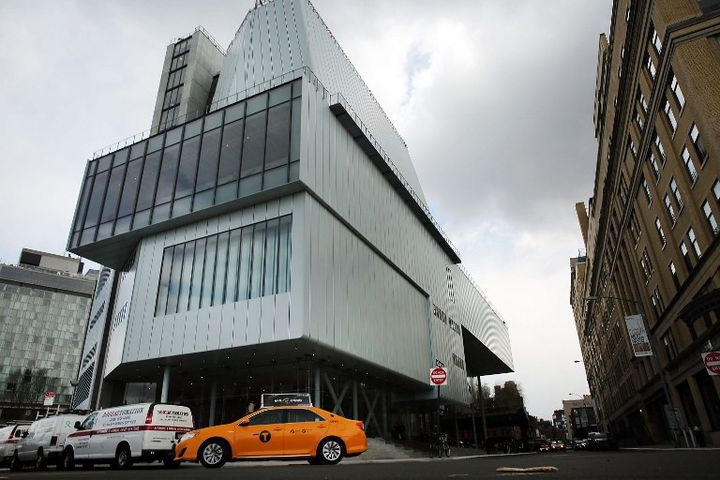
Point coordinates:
[(493, 97)]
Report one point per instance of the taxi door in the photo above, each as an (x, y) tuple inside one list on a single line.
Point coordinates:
[(261, 435), (303, 431)]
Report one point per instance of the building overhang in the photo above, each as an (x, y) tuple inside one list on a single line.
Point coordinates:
[(479, 359), (353, 125)]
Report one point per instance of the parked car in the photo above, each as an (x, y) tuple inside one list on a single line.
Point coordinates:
[(122, 435), (9, 437), (601, 441), (306, 432), (580, 444), (544, 447), (43, 442)]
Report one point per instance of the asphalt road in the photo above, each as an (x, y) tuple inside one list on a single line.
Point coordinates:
[(655, 465)]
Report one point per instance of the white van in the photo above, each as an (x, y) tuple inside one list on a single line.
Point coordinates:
[(43, 442), (120, 435), (10, 435)]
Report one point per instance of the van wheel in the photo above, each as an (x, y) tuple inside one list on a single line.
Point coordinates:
[(330, 451), (40, 461), (67, 459), (122, 460), (213, 453), (15, 464)]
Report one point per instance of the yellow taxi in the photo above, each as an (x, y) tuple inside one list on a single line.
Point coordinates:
[(298, 432)]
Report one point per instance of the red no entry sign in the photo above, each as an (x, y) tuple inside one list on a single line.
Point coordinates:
[(712, 362), (438, 376)]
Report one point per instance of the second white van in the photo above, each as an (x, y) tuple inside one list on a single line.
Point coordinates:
[(43, 442), (121, 435)]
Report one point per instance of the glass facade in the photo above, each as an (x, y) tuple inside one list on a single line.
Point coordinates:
[(41, 335), (242, 149), (248, 262)]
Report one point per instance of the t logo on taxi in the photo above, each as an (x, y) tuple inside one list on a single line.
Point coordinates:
[(265, 436)]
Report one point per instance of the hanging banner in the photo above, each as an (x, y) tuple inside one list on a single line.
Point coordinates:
[(638, 336)]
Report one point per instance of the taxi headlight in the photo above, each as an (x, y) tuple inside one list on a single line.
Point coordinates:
[(187, 436)]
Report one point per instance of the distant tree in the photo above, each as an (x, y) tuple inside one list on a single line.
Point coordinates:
[(26, 386)]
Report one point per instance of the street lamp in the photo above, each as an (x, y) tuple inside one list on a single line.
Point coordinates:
[(653, 350)]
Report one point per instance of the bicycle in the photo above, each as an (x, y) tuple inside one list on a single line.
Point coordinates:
[(439, 445)]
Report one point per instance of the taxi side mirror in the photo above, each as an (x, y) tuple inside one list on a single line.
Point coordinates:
[(244, 423), (77, 425)]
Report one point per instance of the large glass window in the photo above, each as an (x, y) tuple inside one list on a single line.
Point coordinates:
[(113, 193), (188, 167), (130, 188), (149, 179), (253, 140), (254, 144), (207, 172), (168, 170), (278, 136), (230, 154), (96, 199), (247, 262)]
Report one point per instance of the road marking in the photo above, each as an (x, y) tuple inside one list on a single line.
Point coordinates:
[(526, 470)]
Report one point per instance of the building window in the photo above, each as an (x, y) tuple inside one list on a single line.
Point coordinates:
[(643, 103), (669, 344), (674, 275), (699, 146), (646, 265), (694, 242), (672, 122), (654, 166), (633, 148), (660, 232), (248, 262), (639, 120), (655, 39), (651, 67), (635, 228), (669, 209), (686, 256), (675, 87), (657, 302), (689, 165), (646, 189), (716, 190), (622, 190), (710, 217), (676, 193), (660, 148)]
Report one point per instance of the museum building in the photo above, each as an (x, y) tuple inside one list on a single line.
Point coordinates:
[(269, 234)]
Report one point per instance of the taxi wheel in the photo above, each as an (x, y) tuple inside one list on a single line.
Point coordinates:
[(331, 451), (213, 453)]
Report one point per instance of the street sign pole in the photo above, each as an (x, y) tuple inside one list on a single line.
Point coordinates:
[(438, 409)]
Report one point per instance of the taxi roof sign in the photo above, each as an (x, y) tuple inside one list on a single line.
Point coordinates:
[(285, 400)]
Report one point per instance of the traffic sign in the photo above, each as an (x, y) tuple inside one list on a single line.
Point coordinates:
[(712, 362), (49, 399), (438, 376)]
